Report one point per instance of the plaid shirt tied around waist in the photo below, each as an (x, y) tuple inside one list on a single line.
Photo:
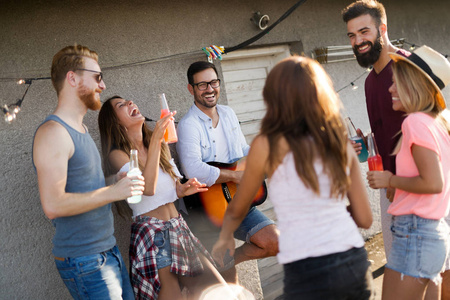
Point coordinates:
[(184, 247)]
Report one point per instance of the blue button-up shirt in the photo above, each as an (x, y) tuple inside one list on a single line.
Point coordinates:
[(195, 144)]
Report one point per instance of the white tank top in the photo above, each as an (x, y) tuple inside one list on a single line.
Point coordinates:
[(165, 192), (310, 225)]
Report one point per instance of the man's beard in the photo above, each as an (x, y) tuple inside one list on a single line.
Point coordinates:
[(88, 97), (199, 99), (366, 60)]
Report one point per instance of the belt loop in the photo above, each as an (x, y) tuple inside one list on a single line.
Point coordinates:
[(414, 221)]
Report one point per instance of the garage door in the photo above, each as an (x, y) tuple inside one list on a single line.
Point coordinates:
[(244, 73)]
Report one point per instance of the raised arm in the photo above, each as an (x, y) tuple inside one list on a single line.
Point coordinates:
[(151, 169), (51, 159), (359, 200), (150, 172), (254, 174)]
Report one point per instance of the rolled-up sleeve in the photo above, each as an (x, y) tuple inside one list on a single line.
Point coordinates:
[(190, 153)]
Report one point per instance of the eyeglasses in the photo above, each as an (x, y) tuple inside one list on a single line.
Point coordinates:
[(202, 86), (98, 77)]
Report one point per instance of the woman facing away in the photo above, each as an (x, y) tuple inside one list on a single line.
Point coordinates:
[(163, 251), (304, 151), (422, 182)]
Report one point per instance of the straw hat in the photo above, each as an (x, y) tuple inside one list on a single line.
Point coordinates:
[(432, 64)]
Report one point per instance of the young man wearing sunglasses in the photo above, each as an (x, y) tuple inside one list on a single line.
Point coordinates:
[(210, 132), (72, 185)]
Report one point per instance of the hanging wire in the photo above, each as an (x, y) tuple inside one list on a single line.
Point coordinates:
[(11, 110), (265, 31), (352, 84)]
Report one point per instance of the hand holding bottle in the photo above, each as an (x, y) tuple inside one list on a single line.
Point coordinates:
[(128, 186), (375, 162), (356, 136), (170, 135), (162, 125), (377, 179), (133, 173)]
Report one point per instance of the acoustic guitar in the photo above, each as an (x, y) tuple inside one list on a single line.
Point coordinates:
[(215, 200)]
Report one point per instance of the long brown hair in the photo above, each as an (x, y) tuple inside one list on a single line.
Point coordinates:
[(303, 108), (114, 136)]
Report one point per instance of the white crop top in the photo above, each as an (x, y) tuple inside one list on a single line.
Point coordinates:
[(310, 225), (165, 192)]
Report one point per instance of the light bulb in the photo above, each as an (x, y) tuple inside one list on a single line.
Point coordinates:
[(10, 117), (413, 46), (354, 87), (15, 109), (21, 81)]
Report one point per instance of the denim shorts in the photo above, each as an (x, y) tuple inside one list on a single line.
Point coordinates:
[(164, 255), (208, 233), (96, 276), (343, 275), (419, 247)]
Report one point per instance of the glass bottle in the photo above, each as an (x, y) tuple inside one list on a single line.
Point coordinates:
[(375, 162), (134, 170), (353, 135), (170, 135)]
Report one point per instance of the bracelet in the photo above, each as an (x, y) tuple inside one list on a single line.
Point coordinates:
[(389, 181)]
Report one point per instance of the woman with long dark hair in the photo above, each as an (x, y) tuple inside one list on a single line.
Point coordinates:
[(163, 251), (304, 151)]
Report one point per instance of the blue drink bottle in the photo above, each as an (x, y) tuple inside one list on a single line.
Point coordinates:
[(353, 135)]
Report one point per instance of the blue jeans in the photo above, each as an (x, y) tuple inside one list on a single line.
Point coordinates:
[(344, 275), (98, 276)]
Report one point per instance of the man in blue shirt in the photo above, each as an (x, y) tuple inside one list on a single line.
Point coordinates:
[(211, 133)]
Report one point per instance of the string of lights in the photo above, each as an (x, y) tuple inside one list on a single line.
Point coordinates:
[(398, 42), (352, 84), (10, 111)]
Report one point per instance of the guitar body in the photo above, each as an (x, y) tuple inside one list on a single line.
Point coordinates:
[(215, 200)]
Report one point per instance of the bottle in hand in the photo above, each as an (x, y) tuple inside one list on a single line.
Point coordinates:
[(353, 135), (170, 135), (375, 162), (134, 170)]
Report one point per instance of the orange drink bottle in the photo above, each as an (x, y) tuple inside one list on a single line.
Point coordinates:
[(375, 162), (170, 135)]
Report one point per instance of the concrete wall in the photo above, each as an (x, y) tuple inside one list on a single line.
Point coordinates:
[(171, 33)]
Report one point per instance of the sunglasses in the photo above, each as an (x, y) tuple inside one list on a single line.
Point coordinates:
[(98, 77)]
